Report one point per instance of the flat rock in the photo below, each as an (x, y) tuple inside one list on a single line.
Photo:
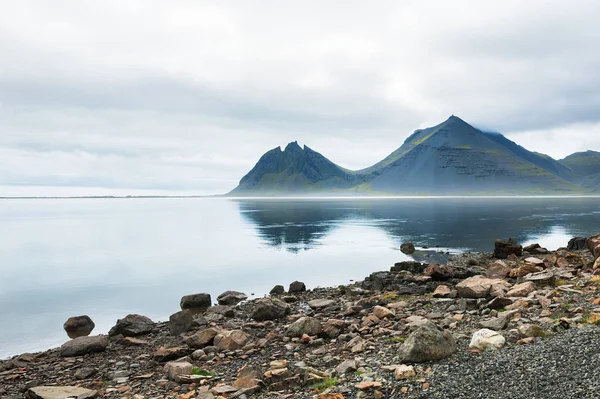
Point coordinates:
[(231, 340), (474, 287), (521, 290), (166, 354), (60, 392), (83, 345), (176, 369), (321, 303)]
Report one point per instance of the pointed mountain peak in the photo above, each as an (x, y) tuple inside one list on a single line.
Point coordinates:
[(293, 147), (453, 119)]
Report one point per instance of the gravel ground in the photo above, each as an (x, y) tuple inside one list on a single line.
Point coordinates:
[(563, 366)]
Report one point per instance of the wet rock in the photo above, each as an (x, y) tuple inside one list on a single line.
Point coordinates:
[(503, 249), (60, 392), (231, 298), (485, 338), (197, 302), (132, 325), (408, 248), (277, 290), (79, 326), (297, 286), (83, 345), (270, 309), (304, 325), (181, 321), (167, 354), (428, 343), (231, 340), (577, 243), (202, 338), (521, 290)]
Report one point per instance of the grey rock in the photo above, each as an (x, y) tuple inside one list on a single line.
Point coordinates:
[(79, 326), (197, 302), (277, 290), (132, 325), (83, 345), (428, 343), (181, 321), (297, 286), (304, 325), (231, 298), (408, 248), (270, 309)]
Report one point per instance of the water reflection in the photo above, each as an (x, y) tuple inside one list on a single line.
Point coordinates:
[(457, 223)]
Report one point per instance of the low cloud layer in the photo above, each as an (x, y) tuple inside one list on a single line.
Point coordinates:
[(183, 97)]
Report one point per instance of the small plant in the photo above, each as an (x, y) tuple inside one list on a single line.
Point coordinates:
[(560, 283), (595, 280), (201, 372), (326, 384), (390, 296), (342, 289), (399, 340)]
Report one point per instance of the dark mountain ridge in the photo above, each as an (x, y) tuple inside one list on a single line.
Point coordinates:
[(451, 158)]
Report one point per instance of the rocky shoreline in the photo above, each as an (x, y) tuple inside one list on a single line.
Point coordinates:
[(518, 322)]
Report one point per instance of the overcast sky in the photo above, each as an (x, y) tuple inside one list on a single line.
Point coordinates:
[(134, 97)]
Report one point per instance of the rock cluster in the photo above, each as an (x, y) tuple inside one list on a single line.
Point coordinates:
[(407, 332)]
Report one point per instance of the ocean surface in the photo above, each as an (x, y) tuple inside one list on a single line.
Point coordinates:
[(110, 257)]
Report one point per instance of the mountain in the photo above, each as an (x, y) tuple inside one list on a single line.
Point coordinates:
[(451, 158), (587, 166), (295, 170)]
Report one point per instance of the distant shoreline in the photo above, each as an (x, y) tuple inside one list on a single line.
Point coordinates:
[(296, 197)]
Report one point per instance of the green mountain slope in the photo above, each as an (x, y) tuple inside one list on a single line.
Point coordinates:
[(587, 166), (450, 158), (295, 170)]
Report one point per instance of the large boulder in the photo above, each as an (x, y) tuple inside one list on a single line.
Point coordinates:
[(181, 321), (60, 392), (277, 290), (270, 309), (407, 248), (486, 338), (83, 345), (297, 286), (132, 325), (231, 340), (304, 325), (231, 298), (197, 302), (502, 249), (428, 343), (79, 326), (474, 287), (202, 338), (593, 244), (577, 243)]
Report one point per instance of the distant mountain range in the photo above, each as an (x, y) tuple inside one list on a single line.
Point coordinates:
[(452, 158)]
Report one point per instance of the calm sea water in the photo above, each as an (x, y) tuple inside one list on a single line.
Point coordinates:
[(110, 257)]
